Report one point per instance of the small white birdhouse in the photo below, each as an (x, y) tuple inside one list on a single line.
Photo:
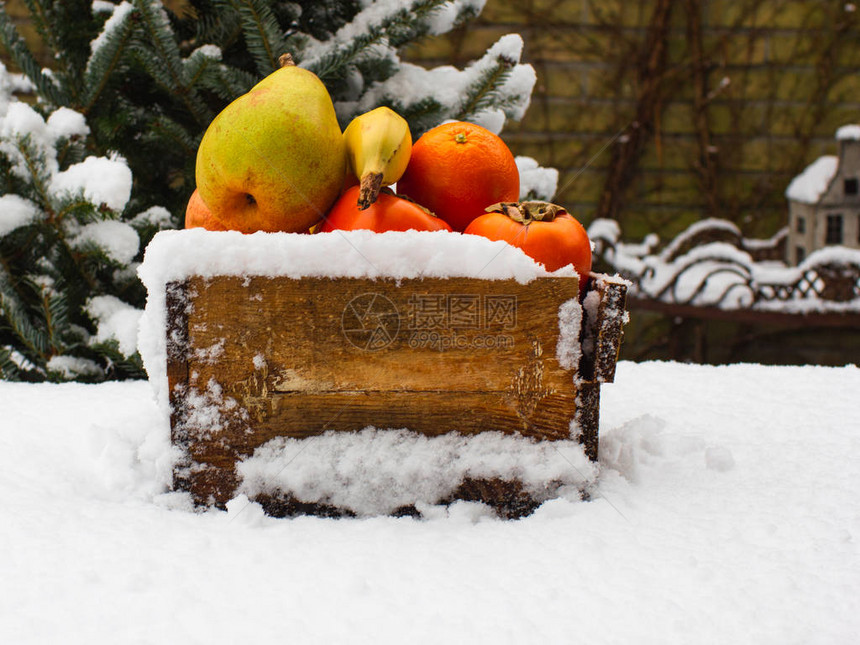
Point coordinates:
[(824, 200)]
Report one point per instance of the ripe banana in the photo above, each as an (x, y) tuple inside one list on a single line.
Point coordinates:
[(378, 147)]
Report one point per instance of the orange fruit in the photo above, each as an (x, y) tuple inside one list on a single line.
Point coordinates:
[(197, 214), (458, 169)]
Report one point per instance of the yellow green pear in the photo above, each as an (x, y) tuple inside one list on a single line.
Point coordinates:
[(275, 158)]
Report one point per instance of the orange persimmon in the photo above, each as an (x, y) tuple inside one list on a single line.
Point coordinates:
[(545, 232), (388, 213)]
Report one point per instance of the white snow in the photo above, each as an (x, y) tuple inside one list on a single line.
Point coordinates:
[(15, 211), (723, 511), (375, 14), (117, 239), (715, 274), (568, 349), (374, 472), (155, 216), (604, 229), (22, 122), (208, 51), (831, 255), (103, 6), (117, 17), (809, 186), (21, 361), (517, 87), (173, 255), (541, 182), (710, 224), (9, 84), (115, 320), (71, 367), (102, 180), (66, 123), (848, 132), (372, 15)]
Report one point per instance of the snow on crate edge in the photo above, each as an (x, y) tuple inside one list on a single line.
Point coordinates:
[(175, 255), (374, 472)]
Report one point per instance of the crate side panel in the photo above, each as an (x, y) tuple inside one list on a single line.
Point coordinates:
[(268, 357), (322, 335)]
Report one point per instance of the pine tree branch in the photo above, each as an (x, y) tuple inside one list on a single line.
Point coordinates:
[(157, 27), (483, 92), (148, 86), (196, 66), (421, 115), (118, 365), (166, 67), (394, 29), (23, 57), (227, 82), (40, 16), (169, 85), (168, 130), (105, 61), (70, 263), (30, 339), (48, 317), (8, 369), (38, 180), (263, 35), (81, 209)]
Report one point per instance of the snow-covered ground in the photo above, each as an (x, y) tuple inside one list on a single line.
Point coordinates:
[(726, 511)]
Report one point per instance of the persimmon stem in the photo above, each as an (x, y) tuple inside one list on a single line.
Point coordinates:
[(527, 212)]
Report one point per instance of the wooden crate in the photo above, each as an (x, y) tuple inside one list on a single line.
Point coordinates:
[(255, 358)]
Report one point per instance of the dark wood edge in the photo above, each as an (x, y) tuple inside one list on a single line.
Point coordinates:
[(507, 497), (176, 345), (610, 324), (601, 335)]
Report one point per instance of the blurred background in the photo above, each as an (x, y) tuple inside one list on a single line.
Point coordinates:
[(662, 113), (719, 105)]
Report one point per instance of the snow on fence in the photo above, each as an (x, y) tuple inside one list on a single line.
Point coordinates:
[(710, 266)]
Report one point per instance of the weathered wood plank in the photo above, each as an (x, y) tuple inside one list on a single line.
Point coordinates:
[(320, 335), (431, 413)]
